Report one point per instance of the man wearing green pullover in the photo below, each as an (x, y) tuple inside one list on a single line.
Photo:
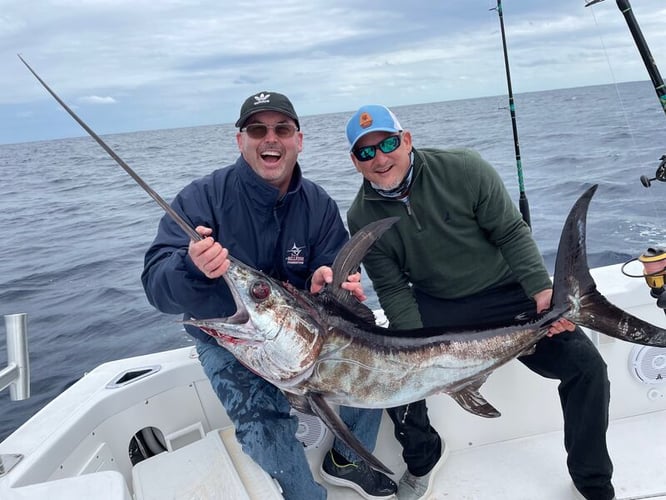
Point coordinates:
[(462, 256)]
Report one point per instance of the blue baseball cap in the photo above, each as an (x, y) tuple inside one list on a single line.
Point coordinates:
[(371, 118)]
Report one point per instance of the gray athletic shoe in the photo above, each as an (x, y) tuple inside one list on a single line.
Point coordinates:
[(413, 487), (367, 482)]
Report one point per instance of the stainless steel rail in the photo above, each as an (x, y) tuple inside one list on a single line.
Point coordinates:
[(16, 375)]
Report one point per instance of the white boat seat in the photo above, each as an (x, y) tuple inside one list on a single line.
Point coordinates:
[(101, 485), (211, 468)]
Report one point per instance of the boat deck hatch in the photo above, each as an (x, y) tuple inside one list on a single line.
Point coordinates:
[(132, 375)]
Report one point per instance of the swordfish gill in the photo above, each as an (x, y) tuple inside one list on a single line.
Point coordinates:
[(326, 348)]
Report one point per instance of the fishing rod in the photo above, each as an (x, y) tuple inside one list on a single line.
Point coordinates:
[(654, 259), (522, 202), (160, 201), (653, 72)]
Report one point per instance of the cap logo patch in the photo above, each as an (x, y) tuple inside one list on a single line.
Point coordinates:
[(261, 98), (365, 120)]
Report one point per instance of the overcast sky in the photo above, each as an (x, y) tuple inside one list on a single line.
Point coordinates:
[(127, 65)]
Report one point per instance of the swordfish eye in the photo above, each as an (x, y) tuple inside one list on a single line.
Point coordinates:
[(260, 290)]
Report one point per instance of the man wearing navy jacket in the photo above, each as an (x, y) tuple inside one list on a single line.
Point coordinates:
[(262, 211)]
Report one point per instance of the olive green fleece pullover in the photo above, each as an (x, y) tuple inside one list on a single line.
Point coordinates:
[(458, 234)]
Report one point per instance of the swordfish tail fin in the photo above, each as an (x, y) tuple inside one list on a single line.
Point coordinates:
[(572, 274), (574, 288)]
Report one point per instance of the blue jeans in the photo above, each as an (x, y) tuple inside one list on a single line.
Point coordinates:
[(266, 430)]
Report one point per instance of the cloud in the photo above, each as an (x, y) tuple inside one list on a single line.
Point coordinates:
[(94, 99), (167, 64)]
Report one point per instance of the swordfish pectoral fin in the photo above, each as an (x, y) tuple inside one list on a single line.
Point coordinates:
[(333, 421), (470, 399), (314, 404), (298, 402)]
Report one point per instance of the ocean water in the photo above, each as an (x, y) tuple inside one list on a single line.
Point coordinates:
[(74, 226)]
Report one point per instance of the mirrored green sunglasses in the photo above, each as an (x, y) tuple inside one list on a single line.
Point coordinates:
[(386, 146)]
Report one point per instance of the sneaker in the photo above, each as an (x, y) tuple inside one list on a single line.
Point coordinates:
[(413, 487), (367, 482)]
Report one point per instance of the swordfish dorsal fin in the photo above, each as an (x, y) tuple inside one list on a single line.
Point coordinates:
[(349, 259), (351, 254)]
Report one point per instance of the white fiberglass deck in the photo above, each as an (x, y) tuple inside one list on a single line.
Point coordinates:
[(533, 468), (77, 446)]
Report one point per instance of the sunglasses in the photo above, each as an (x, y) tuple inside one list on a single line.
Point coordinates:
[(386, 146), (259, 130)]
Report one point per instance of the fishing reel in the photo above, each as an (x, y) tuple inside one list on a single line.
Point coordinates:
[(654, 273), (660, 175)]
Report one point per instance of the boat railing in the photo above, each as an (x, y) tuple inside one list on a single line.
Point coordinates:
[(16, 375)]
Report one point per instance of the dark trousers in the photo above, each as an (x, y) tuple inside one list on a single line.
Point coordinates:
[(570, 357), (421, 445)]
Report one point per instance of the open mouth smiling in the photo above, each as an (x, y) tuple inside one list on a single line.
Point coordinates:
[(271, 156)]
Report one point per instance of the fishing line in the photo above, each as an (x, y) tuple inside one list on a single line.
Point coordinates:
[(623, 108), (653, 72)]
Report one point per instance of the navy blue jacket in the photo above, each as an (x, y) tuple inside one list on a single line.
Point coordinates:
[(285, 237)]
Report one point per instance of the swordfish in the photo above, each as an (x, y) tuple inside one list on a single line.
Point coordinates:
[(326, 349), (323, 349)]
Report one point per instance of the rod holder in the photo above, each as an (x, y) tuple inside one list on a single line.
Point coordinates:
[(16, 375)]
